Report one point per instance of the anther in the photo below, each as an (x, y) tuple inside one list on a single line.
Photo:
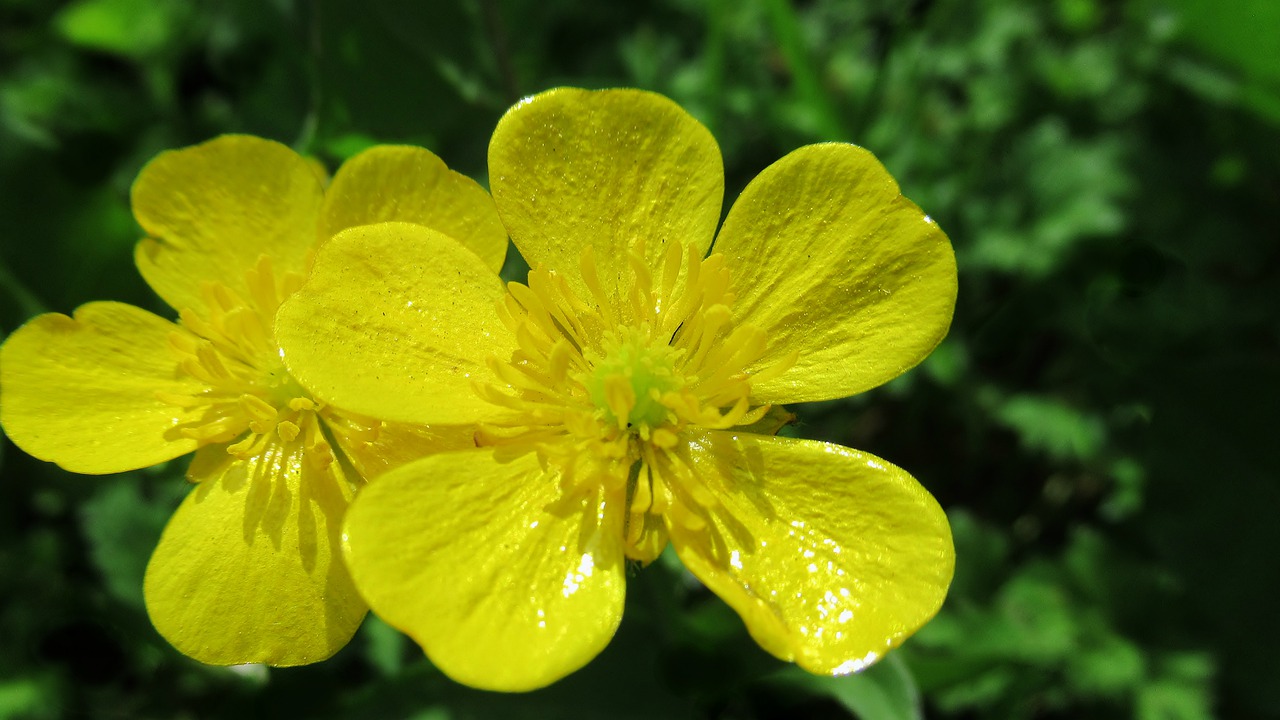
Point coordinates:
[(257, 408), (288, 431)]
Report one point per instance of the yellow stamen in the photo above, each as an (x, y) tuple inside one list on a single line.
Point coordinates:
[(258, 409), (606, 386), (229, 348)]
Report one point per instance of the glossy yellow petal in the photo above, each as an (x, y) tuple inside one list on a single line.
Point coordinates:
[(834, 263), (831, 556), (82, 391), (212, 209), (473, 554), (249, 568), (391, 183), (396, 322), (571, 168)]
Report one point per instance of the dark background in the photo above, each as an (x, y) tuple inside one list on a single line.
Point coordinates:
[(1101, 424)]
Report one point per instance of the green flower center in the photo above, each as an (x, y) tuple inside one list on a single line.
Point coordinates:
[(628, 381)]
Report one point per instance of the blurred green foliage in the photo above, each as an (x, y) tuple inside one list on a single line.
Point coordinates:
[(1100, 423)]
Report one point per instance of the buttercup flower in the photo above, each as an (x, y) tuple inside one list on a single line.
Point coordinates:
[(247, 569), (628, 395)]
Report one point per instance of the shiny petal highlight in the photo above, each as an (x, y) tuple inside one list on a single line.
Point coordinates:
[(831, 556), (832, 262), (475, 555)]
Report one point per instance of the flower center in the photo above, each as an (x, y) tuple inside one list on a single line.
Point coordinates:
[(628, 382), (603, 385), (248, 393)]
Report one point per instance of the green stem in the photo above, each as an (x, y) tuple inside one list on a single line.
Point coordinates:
[(315, 89), (27, 300), (495, 31), (713, 59), (804, 74)]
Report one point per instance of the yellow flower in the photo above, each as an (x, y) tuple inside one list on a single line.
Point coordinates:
[(247, 568), (629, 393)]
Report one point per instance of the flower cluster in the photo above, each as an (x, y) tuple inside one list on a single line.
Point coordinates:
[(626, 397), (524, 441), (248, 569)]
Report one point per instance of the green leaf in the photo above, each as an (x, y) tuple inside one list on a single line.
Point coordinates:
[(1183, 690), (27, 698), (123, 524), (384, 645), (1036, 622), (948, 363), (134, 29), (1109, 668), (1243, 32), (1242, 35), (1053, 427)]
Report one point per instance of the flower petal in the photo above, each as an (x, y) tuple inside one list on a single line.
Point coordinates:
[(396, 322), (571, 168), (409, 184), (830, 260), (247, 570), (398, 443), (474, 555), (831, 556), (212, 209), (82, 391)]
